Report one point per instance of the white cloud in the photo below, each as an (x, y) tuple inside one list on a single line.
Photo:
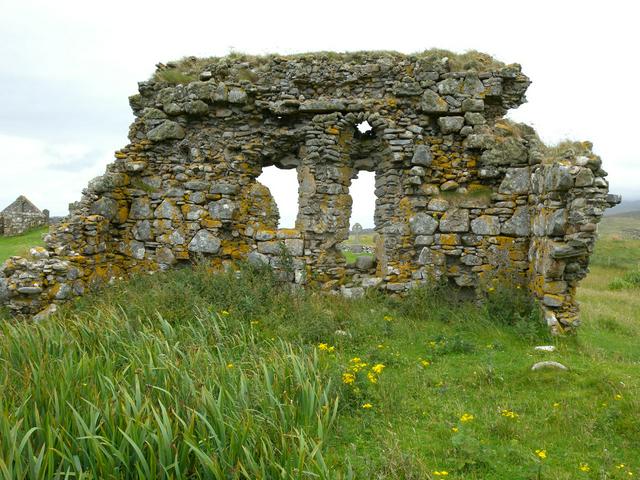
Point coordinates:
[(50, 175)]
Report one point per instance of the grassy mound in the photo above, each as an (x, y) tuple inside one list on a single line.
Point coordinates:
[(20, 245)]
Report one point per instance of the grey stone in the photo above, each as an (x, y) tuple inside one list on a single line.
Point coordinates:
[(548, 365), (473, 105), (509, 152), (140, 208), (474, 118), (167, 210), (204, 242), (222, 209), (237, 95), (438, 205), (421, 156), (519, 224), (431, 257), (433, 103), (450, 124), (455, 220), (486, 225), (142, 230), (516, 181), (423, 240), (423, 224), (257, 258), (197, 107), (167, 130), (365, 263), (105, 206)]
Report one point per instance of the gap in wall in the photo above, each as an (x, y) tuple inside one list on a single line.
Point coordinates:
[(283, 185)]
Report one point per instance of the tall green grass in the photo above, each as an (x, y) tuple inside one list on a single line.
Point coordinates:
[(109, 393)]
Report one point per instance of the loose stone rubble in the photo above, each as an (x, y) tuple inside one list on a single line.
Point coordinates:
[(463, 195), (21, 216)]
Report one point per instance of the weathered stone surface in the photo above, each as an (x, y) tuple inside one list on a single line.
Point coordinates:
[(423, 224), (168, 130), (486, 225), (519, 224), (222, 209), (365, 263), (450, 124), (455, 220), (204, 242), (433, 103), (516, 181), (421, 156)]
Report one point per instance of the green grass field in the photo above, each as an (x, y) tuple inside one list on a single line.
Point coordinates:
[(194, 375), (20, 245)]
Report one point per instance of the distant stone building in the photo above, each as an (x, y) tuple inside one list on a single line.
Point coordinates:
[(20, 216)]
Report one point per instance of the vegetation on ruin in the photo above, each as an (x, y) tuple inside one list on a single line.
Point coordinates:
[(188, 69), (193, 375), (20, 245)]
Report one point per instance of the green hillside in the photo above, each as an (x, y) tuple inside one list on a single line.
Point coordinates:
[(190, 374)]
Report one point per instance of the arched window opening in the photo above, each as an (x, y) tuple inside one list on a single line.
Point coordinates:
[(283, 185)]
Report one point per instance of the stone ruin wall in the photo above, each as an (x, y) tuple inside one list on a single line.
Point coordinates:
[(17, 218), (462, 195)]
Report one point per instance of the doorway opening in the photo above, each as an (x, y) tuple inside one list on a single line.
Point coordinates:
[(283, 185)]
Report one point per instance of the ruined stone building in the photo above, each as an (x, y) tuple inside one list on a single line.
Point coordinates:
[(21, 216), (462, 195)]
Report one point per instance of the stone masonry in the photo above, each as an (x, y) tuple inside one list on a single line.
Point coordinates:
[(463, 195), (21, 216)]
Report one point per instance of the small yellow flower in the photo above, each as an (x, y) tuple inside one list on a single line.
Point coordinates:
[(466, 417), (380, 346), (542, 454), (556, 405), (377, 368), (432, 344), (509, 414), (388, 318), (323, 346), (440, 473), (348, 378), (229, 365), (372, 377), (425, 363), (224, 313), (491, 290), (618, 396), (584, 467), (367, 406), (454, 429), (620, 466), (255, 322)]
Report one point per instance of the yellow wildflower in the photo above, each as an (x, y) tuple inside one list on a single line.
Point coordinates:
[(542, 454), (509, 414), (229, 365), (372, 377), (466, 417), (454, 429), (556, 405), (224, 313), (377, 368), (325, 347), (380, 346), (618, 396), (440, 473), (348, 378), (367, 406), (584, 467), (388, 318), (620, 466), (255, 322)]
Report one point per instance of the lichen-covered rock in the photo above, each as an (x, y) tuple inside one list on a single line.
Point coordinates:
[(167, 130), (204, 242)]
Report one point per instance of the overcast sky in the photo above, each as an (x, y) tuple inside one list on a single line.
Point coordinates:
[(67, 68)]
